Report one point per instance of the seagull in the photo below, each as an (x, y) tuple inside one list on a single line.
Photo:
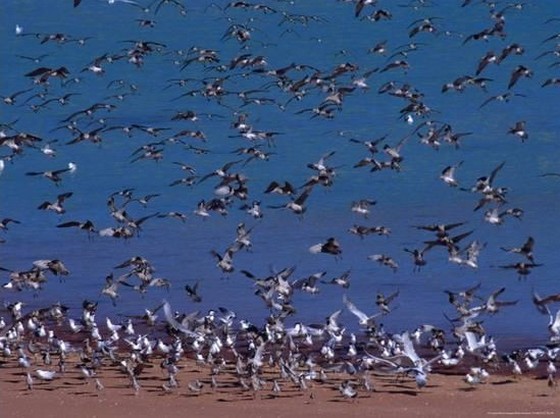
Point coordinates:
[(343, 280), (525, 250), (519, 130), (46, 375), (542, 302), (495, 217), (363, 319), (11, 99), (297, 205), (225, 261), (6, 221), (383, 301), (418, 257), (421, 367), (489, 58), (522, 268), (51, 175), (492, 305), (448, 174), (360, 4), (347, 390), (505, 98), (331, 246), (192, 292), (384, 260), (517, 73), (362, 207), (84, 226), (275, 187), (441, 230)]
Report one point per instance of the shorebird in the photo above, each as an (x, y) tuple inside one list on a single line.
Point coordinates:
[(347, 390), (526, 250), (362, 206), (447, 241), (418, 258), (505, 98), (522, 268), (483, 184), (492, 305), (54, 175), (517, 73), (472, 252), (86, 225), (6, 221), (362, 230), (554, 326), (297, 206), (489, 58), (441, 230), (110, 289), (331, 246), (542, 302), (275, 187), (192, 292), (225, 261), (385, 260), (343, 280), (363, 319), (383, 301), (308, 284), (11, 99), (448, 174), (55, 266), (519, 130), (46, 375), (41, 75), (514, 48), (553, 81), (420, 367)]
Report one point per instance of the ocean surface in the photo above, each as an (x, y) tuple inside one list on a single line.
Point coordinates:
[(318, 37)]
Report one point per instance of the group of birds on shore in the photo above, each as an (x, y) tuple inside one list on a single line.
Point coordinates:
[(284, 350)]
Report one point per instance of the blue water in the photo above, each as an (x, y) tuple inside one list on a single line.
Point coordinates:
[(181, 252)]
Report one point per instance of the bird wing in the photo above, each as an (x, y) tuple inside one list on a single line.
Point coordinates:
[(354, 309)]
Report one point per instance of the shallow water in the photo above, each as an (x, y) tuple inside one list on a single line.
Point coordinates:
[(181, 252)]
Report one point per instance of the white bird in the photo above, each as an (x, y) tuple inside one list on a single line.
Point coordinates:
[(45, 374), (29, 381), (421, 366), (347, 390), (448, 174), (554, 326), (98, 385), (473, 344), (363, 319)]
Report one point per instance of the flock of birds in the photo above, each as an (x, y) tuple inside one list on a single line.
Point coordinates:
[(44, 340)]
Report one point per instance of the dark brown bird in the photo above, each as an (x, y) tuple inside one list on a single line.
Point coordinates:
[(518, 72), (519, 130), (331, 246), (525, 250)]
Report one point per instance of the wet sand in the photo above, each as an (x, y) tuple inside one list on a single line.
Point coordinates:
[(71, 395)]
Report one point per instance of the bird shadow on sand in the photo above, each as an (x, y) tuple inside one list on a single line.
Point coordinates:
[(504, 382), (344, 400), (467, 389)]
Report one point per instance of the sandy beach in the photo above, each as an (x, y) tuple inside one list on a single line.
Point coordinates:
[(72, 395)]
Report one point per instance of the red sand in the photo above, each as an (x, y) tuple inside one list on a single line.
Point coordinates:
[(70, 395)]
